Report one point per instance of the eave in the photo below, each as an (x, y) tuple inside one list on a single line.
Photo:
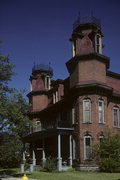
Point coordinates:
[(71, 64)]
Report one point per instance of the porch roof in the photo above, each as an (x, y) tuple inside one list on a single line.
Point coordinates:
[(47, 133)]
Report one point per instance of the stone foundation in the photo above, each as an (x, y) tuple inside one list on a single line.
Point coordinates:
[(87, 167)]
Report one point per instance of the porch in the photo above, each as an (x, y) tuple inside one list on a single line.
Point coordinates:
[(55, 143)]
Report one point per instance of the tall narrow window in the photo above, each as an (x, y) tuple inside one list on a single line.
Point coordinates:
[(86, 110), (101, 111), (87, 147), (98, 44), (47, 82), (116, 117)]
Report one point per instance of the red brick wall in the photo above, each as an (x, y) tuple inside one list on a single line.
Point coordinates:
[(95, 128), (38, 84), (92, 70), (114, 83), (39, 102), (74, 78)]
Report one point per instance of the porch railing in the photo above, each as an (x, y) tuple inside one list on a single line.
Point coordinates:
[(51, 125)]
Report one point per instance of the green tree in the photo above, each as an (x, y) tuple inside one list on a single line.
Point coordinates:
[(107, 153), (14, 123)]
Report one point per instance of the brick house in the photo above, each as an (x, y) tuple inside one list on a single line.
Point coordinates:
[(71, 115)]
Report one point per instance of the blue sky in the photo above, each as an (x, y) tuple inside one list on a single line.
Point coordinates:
[(39, 31)]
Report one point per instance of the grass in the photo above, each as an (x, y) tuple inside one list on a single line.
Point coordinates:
[(74, 176)]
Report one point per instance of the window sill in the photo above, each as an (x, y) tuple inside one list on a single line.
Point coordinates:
[(116, 127), (102, 123), (87, 122)]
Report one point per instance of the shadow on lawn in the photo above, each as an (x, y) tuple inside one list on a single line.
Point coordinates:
[(10, 172), (7, 172)]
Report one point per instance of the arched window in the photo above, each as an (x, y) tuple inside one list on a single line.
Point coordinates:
[(87, 111), (87, 147), (101, 111), (115, 116)]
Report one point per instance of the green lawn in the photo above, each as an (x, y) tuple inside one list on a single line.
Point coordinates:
[(74, 176), (69, 175)]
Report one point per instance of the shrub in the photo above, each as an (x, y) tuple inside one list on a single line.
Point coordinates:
[(50, 164), (107, 153)]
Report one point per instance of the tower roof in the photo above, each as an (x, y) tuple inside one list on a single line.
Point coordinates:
[(42, 68), (85, 21)]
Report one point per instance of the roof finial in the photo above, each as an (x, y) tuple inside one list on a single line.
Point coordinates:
[(49, 64), (78, 20), (79, 14), (91, 12), (34, 63)]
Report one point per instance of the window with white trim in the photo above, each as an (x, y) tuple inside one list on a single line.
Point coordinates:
[(101, 111), (101, 137), (98, 44), (47, 82), (87, 147), (116, 117), (87, 111)]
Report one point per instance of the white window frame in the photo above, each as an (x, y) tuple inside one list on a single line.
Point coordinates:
[(47, 82), (98, 45), (115, 108), (101, 137), (85, 155), (84, 110), (102, 112)]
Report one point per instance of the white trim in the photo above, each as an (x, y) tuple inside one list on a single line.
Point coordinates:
[(47, 82), (99, 44), (73, 49), (53, 98), (73, 115)]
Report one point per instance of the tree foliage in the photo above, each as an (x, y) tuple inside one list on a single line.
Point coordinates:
[(107, 153), (10, 150), (14, 122)]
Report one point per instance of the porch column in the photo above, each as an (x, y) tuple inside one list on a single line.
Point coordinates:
[(59, 159), (70, 150), (24, 159), (33, 158), (43, 154)]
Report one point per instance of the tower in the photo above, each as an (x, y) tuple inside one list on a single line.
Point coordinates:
[(87, 64), (40, 84), (87, 36)]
